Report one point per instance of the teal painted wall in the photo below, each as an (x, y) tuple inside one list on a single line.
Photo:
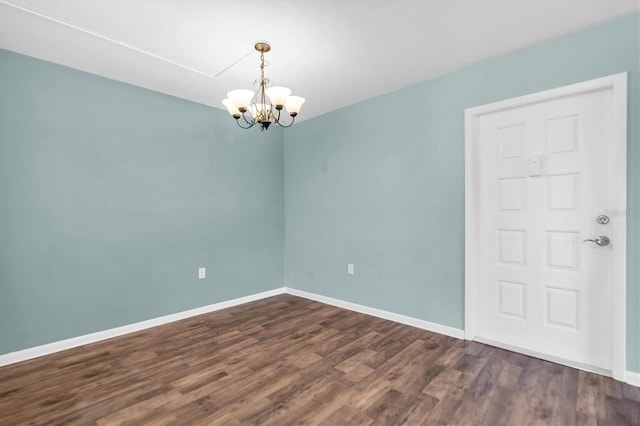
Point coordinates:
[(111, 197), (381, 184)]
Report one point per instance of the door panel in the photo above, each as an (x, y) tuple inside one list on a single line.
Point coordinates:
[(545, 172)]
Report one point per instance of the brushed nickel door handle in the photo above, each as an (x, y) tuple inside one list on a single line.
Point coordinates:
[(601, 240)]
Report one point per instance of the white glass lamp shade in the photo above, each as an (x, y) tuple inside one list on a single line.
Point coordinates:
[(278, 95), (231, 107), (241, 98), (294, 104)]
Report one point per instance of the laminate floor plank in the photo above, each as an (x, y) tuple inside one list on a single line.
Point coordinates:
[(286, 360)]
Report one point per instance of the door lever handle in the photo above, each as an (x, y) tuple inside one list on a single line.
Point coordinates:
[(601, 240)]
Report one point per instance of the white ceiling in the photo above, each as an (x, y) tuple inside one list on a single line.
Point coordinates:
[(332, 52)]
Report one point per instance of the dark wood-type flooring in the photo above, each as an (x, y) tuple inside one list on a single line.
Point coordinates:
[(287, 360)]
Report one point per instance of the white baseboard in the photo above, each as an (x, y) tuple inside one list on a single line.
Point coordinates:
[(414, 322), (61, 345), (632, 378)]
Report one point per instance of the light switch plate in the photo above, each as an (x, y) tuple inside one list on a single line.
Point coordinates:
[(202, 273), (350, 269)]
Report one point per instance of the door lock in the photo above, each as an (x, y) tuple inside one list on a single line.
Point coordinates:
[(601, 240)]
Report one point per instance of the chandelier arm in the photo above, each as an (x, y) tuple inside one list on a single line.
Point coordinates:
[(250, 123), (293, 119), (243, 127)]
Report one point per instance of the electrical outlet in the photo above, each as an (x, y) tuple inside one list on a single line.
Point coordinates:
[(202, 273), (349, 268)]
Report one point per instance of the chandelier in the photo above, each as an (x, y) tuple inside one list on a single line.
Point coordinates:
[(265, 105)]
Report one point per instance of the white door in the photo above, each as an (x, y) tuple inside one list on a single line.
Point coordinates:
[(545, 173)]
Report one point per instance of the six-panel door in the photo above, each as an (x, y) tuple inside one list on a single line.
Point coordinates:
[(545, 173)]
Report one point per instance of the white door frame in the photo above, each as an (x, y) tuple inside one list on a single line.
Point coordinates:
[(473, 245)]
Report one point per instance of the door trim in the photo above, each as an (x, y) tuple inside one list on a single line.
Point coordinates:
[(618, 84)]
